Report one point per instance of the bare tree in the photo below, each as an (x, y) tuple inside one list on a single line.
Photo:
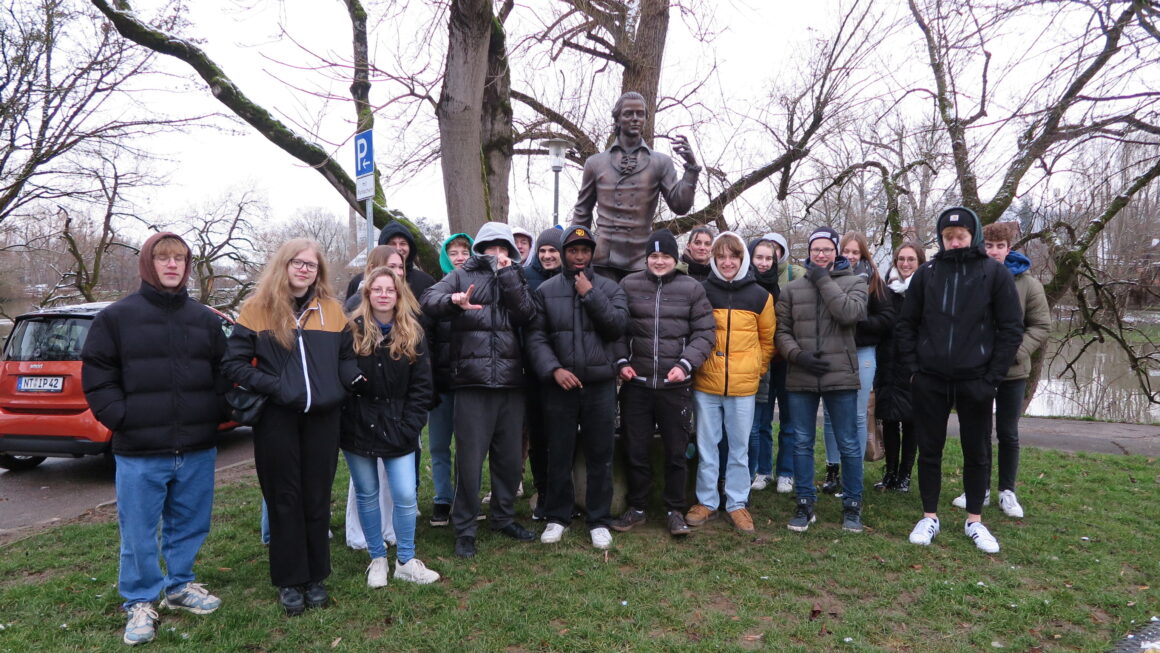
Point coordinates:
[(225, 255)]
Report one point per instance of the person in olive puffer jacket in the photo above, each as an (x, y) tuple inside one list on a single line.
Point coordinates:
[(817, 318), (488, 301), (670, 333), (151, 374), (578, 319), (724, 387)]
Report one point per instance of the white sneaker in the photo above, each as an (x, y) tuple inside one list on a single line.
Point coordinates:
[(760, 482), (486, 498), (415, 572), (784, 484), (1010, 504), (982, 537), (378, 573), (552, 533), (961, 500), (601, 538), (924, 531), (520, 490), (142, 624)]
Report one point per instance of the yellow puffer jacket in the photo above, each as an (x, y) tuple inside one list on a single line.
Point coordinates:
[(746, 323)]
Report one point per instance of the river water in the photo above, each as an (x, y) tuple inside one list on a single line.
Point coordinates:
[(1100, 385)]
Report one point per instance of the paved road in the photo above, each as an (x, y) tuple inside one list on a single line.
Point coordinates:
[(64, 488)]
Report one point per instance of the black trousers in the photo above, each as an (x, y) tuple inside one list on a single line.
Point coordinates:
[(1008, 410), (488, 423), (932, 401), (536, 439), (644, 411), (295, 455), (592, 408), (901, 446)]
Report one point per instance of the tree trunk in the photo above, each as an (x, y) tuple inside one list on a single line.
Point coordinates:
[(496, 124), (642, 71), (460, 114)]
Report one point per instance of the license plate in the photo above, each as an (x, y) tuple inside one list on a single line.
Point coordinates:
[(40, 383)]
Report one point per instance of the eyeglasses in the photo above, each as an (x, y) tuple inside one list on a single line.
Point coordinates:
[(178, 258), (907, 259), (383, 291), (299, 264), (823, 252)]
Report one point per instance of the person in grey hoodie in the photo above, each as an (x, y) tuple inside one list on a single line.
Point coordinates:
[(487, 300)]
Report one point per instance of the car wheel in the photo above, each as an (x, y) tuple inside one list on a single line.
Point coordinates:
[(19, 463)]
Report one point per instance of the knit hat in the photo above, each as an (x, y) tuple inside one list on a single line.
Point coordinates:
[(576, 235), (824, 232), (957, 216), (662, 241)]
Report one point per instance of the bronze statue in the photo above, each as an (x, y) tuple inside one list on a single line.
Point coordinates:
[(624, 182)]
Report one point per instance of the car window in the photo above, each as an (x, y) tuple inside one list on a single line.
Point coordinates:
[(49, 338)]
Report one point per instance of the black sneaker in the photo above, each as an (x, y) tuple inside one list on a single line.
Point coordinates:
[(833, 482), (628, 520), (291, 600), (803, 516), (888, 481), (903, 484), (852, 516), (441, 514), (677, 524), (465, 546), (316, 596), (517, 532)]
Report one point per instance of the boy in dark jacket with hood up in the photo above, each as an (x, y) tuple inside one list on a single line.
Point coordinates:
[(398, 236), (670, 332), (579, 318), (163, 404), (487, 300), (959, 330)]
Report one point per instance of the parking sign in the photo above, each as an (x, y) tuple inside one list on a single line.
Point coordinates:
[(364, 154)]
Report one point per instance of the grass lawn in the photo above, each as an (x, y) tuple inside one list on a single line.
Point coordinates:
[(1076, 575)]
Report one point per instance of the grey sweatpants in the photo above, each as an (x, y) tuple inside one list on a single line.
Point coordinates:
[(488, 422)]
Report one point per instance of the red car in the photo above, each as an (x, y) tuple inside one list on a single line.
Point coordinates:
[(43, 412)]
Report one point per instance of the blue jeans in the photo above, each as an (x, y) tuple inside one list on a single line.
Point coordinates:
[(867, 364), (265, 523), (440, 428), (401, 477), (734, 415), (175, 491), (803, 408), (761, 440)]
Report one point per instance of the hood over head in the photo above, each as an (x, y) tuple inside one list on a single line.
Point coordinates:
[(960, 216), (744, 269), (145, 260), (396, 228), (780, 240), (496, 232), (444, 259), (1017, 263)]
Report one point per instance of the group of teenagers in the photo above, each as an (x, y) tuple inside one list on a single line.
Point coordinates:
[(526, 351)]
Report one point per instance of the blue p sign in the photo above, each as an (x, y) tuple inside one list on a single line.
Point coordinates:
[(364, 154)]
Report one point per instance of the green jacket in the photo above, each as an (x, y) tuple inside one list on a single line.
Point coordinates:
[(1036, 323)]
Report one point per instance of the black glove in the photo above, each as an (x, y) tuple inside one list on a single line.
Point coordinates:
[(812, 362), (816, 273), (359, 385)]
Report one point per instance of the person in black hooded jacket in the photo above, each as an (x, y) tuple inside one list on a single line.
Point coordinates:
[(151, 374), (570, 342), (398, 236), (960, 327)]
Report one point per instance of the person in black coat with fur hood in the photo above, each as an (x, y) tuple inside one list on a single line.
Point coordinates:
[(579, 318)]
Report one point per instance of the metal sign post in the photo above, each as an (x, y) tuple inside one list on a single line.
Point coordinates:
[(364, 172)]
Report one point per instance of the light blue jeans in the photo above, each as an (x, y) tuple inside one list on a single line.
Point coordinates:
[(401, 477), (440, 429), (175, 491), (734, 416), (867, 364)]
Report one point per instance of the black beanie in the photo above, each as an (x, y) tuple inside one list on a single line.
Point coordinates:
[(824, 232), (957, 216), (662, 241)]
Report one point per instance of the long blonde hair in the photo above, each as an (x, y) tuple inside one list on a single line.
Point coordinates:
[(273, 300), (405, 331), (379, 257)]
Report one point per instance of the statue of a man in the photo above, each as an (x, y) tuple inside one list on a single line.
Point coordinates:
[(623, 184)]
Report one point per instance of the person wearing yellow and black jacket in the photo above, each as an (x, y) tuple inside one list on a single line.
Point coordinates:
[(724, 387), (292, 343)]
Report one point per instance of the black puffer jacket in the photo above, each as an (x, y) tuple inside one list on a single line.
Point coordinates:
[(670, 322), (314, 375), (485, 346), (577, 333), (151, 373), (961, 319), (891, 378), (417, 280), (881, 316), (384, 420), (698, 271)]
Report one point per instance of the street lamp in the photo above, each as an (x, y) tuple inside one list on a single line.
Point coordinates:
[(557, 147)]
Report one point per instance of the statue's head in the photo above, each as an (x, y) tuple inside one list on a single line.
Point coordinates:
[(629, 114)]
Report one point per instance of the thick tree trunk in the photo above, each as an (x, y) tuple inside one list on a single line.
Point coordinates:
[(496, 124), (642, 71), (460, 114)]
